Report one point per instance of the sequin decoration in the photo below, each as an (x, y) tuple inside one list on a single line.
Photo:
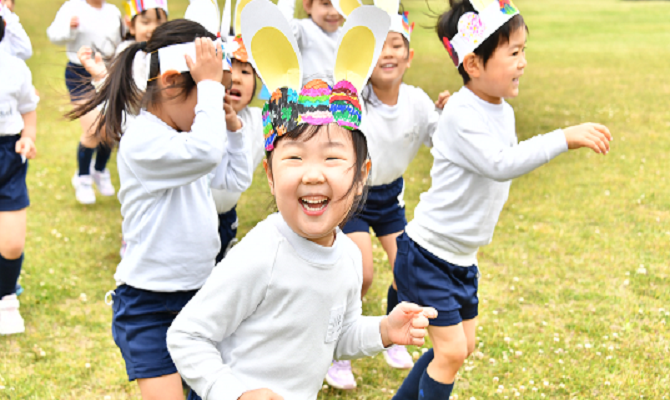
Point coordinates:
[(507, 7), (450, 50), (345, 106), (314, 103), (241, 52), (280, 115), (472, 28), (407, 27)]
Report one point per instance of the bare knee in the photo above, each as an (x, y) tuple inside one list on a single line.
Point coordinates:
[(11, 250), (452, 357)]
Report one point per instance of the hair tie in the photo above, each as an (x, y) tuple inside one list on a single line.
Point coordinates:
[(143, 46)]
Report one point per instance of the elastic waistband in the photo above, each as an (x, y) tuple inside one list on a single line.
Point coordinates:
[(395, 185), (9, 138)]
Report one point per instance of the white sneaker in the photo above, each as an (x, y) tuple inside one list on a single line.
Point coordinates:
[(10, 319), (103, 180), (83, 185)]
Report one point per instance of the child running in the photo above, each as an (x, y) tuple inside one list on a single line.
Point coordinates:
[(287, 298), (18, 126), (95, 24), (399, 118), (15, 41), (168, 159), (476, 157)]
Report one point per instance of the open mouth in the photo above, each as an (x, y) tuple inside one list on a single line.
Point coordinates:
[(388, 66), (235, 94), (314, 205)]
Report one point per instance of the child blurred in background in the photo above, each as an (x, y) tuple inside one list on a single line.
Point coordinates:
[(15, 41)]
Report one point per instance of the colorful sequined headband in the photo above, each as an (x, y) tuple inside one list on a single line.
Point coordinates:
[(135, 7), (276, 58), (475, 28)]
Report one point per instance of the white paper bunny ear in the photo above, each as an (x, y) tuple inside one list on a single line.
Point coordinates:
[(204, 12), (226, 18), (345, 7), (390, 6), (361, 43), (237, 21), (271, 45)]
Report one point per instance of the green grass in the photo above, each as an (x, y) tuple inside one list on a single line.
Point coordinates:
[(562, 282)]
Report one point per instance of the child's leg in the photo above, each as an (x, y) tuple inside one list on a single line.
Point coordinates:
[(104, 152), (87, 142), (390, 245), (364, 243), (167, 387), (12, 241)]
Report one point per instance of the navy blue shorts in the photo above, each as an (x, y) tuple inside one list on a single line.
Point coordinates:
[(139, 326), (383, 211), (227, 231), (78, 82), (429, 281), (13, 188), (193, 395)]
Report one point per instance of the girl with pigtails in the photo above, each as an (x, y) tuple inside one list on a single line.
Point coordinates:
[(287, 299), (168, 159)]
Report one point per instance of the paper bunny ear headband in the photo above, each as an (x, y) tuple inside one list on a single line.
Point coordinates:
[(277, 60), (475, 28), (135, 7), (399, 22)]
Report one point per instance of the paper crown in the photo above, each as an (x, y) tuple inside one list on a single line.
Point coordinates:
[(346, 7), (277, 59), (475, 28), (399, 22), (135, 7)]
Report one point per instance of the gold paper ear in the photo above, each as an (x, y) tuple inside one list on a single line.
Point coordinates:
[(390, 6), (480, 5), (238, 15), (273, 55), (346, 7)]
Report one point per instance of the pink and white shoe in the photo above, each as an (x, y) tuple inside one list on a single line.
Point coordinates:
[(103, 180), (340, 376), (11, 321), (398, 357)]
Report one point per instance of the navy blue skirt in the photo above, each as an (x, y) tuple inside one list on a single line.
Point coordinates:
[(13, 171)]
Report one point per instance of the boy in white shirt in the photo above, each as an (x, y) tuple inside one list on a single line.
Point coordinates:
[(15, 40), (476, 156)]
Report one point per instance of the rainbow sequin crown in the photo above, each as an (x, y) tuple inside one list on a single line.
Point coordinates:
[(318, 104), (135, 7)]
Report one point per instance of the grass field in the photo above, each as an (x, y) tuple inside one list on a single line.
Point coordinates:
[(575, 286)]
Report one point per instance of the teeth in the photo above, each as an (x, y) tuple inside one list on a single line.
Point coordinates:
[(314, 201)]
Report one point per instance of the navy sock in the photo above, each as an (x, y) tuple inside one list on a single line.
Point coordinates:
[(391, 300), (84, 157), (409, 390), (430, 389), (102, 157), (9, 275)]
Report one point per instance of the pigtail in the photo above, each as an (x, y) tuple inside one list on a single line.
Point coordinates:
[(2, 27)]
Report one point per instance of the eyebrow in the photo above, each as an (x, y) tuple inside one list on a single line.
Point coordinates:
[(297, 143)]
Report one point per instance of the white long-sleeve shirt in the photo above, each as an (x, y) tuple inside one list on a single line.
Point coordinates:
[(99, 28), (17, 94), (476, 156), (15, 41), (169, 219), (273, 315), (317, 47), (252, 123), (395, 133)]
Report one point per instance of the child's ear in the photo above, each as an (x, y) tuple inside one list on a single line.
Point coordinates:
[(268, 173), (307, 5), (168, 81), (365, 173), (472, 65)]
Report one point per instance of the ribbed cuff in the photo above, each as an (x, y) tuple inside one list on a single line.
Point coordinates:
[(211, 94), (372, 336), (236, 140), (228, 387), (556, 143)]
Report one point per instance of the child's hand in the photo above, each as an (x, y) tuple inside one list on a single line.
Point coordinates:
[(260, 394), (406, 324), (74, 22), (208, 63), (594, 136), (93, 65), (442, 99), (233, 123), (26, 147)]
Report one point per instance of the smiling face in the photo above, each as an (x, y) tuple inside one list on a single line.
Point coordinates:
[(242, 89), (143, 25), (499, 79), (323, 14), (395, 58), (312, 180)]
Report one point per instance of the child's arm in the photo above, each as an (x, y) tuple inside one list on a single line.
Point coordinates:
[(16, 37), (231, 294), (27, 107), (64, 27), (235, 172), (473, 147), (287, 7)]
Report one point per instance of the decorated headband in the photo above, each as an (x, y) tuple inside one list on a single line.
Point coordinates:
[(399, 22), (277, 60), (135, 7), (346, 7), (475, 28)]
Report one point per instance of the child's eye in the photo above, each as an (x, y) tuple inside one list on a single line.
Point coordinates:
[(294, 158)]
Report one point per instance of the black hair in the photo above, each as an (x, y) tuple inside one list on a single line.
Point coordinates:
[(119, 95), (159, 14), (447, 27), (305, 132), (2, 28)]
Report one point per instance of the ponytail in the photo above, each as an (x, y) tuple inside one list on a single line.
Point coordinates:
[(119, 95)]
